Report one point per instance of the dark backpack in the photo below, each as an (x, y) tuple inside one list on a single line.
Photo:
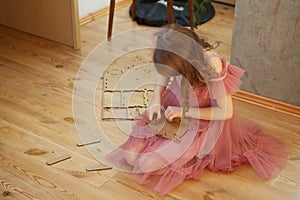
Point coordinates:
[(154, 12)]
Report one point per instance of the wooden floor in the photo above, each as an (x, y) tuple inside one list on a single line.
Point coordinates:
[(37, 124)]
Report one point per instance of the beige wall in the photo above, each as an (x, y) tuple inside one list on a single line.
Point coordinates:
[(266, 43)]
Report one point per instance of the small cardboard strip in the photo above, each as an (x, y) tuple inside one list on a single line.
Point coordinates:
[(58, 159), (87, 142), (98, 167)]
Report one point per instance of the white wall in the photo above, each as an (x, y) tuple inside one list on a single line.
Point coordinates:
[(89, 6)]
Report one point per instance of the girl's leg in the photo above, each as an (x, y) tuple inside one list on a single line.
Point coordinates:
[(150, 163), (133, 152)]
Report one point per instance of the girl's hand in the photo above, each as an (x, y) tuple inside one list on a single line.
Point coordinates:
[(173, 112), (154, 108), (154, 111)]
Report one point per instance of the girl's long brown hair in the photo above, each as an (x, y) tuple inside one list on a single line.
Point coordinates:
[(182, 50)]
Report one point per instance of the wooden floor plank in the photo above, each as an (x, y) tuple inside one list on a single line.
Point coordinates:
[(13, 187), (25, 154)]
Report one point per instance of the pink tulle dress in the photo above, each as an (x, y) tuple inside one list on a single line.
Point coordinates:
[(217, 145)]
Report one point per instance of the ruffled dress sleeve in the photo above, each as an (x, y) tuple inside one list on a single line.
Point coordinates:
[(228, 81)]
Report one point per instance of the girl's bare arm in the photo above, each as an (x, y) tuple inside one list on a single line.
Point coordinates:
[(222, 111)]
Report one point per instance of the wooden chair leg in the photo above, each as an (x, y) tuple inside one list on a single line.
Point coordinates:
[(133, 14), (191, 11), (170, 11), (111, 18)]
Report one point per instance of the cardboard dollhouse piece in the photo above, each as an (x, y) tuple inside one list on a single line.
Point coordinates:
[(174, 130), (128, 85)]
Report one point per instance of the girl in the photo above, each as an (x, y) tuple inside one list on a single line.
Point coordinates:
[(200, 91)]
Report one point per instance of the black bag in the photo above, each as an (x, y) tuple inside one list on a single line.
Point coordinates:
[(154, 12)]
